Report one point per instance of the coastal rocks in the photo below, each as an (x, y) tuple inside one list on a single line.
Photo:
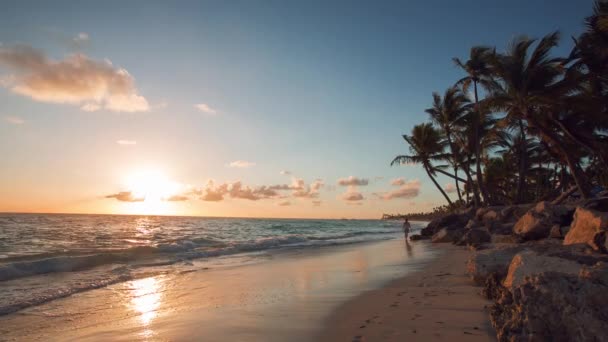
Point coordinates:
[(553, 305), (417, 237), (537, 222), (528, 263), (451, 222), (474, 237), (483, 264), (589, 226), (447, 235)]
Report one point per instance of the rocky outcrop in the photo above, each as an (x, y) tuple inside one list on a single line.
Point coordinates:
[(554, 306), (588, 227), (485, 263), (474, 237), (451, 222), (417, 237), (447, 235), (537, 222), (529, 263)]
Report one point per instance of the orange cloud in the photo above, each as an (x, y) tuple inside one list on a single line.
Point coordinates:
[(76, 80), (409, 189), (353, 181), (125, 196)]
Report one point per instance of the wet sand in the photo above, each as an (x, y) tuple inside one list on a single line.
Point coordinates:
[(284, 296), (438, 303)]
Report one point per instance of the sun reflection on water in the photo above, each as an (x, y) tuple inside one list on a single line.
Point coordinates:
[(146, 296)]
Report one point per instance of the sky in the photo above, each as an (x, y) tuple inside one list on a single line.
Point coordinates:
[(235, 108)]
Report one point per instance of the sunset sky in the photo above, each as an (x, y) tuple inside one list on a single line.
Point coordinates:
[(234, 108)]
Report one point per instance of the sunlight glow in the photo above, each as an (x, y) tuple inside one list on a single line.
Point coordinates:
[(146, 300), (155, 188)]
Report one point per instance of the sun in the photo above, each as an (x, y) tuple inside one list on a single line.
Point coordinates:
[(154, 189)]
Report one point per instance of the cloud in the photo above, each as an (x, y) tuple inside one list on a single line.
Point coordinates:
[(126, 142), (81, 37), (409, 189), (316, 203), (449, 188), (301, 190), (237, 190), (398, 181), (76, 80), (14, 120), (284, 204), (241, 164), (353, 181), (352, 196), (285, 173), (125, 196), (203, 107), (177, 198)]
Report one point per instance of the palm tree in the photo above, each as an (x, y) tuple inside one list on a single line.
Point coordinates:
[(445, 113), (426, 146), (526, 89), (478, 72)]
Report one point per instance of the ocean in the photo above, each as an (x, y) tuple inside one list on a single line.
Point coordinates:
[(44, 257)]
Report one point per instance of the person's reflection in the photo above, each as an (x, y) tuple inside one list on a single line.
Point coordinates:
[(408, 249)]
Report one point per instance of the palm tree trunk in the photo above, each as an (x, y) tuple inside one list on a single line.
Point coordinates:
[(575, 169), (480, 183), (439, 187), (454, 159), (523, 154), (472, 185)]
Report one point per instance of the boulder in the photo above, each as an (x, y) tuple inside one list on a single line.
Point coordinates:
[(447, 235), (417, 237), (451, 221), (553, 305), (504, 239), (482, 264), (589, 227), (474, 237), (513, 213), (500, 228), (599, 204), (537, 222), (529, 263), (471, 224)]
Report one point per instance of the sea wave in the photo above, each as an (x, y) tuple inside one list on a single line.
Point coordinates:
[(170, 253)]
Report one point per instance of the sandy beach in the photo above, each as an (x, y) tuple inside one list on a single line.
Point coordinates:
[(374, 291), (437, 303)]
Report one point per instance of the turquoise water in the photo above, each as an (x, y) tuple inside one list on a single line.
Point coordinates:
[(45, 257)]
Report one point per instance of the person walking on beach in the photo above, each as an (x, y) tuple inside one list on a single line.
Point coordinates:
[(406, 228)]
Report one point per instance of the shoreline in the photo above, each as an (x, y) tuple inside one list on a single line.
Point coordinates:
[(436, 303), (287, 296)]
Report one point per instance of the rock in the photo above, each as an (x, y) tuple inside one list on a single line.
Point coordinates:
[(509, 239), (474, 237), (589, 226), (558, 232), (417, 237), (537, 222), (491, 261), (513, 213), (447, 235), (451, 221), (501, 228), (471, 224), (553, 305), (599, 204), (529, 263)]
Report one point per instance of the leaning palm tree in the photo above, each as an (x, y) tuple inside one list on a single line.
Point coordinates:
[(526, 88), (445, 113), (478, 73), (426, 146)]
